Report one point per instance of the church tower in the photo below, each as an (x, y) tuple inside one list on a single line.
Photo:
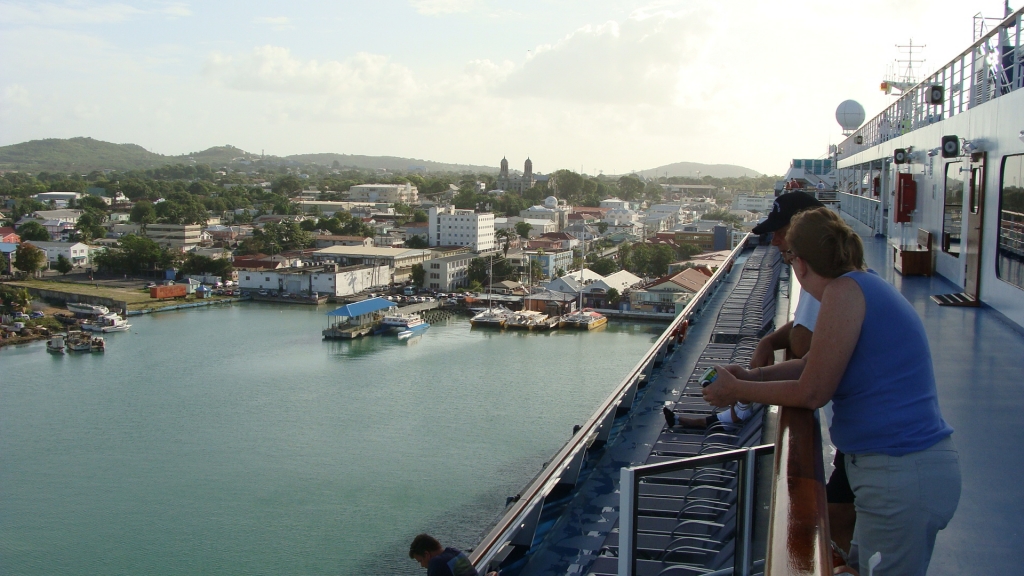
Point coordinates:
[(528, 170), (503, 174)]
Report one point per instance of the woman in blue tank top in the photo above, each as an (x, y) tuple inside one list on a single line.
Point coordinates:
[(870, 356)]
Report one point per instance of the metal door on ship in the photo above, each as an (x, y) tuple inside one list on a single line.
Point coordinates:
[(974, 213)]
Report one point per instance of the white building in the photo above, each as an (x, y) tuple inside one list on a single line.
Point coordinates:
[(328, 279), (537, 226), (447, 274), (390, 193), (449, 226), (76, 252), (752, 202)]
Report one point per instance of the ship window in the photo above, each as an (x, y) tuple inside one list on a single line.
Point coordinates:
[(952, 209), (1010, 254)]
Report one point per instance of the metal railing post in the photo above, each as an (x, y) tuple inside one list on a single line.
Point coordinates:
[(627, 522), (745, 531)]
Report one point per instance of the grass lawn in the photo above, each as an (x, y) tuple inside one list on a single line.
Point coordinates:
[(137, 299)]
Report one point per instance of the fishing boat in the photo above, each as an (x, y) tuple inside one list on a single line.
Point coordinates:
[(78, 341), (55, 345), (586, 319), (97, 344)]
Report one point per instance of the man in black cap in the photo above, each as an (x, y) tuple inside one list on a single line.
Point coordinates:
[(796, 334)]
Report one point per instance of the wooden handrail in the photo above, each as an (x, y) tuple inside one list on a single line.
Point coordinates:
[(798, 531)]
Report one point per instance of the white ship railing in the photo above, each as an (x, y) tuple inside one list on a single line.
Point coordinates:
[(992, 67), (517, 527), (865, 210)]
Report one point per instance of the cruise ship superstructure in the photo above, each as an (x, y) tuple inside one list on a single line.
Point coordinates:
[(934, 184)]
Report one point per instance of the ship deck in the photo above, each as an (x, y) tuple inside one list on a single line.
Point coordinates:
[(978, 357)]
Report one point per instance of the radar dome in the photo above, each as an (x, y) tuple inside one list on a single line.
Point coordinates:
[(850, 115), (551, 202)]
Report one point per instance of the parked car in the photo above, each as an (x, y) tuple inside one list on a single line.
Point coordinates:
[(35, 315), (262, 292)]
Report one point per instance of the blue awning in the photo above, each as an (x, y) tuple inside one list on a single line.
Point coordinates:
[(362, 307)]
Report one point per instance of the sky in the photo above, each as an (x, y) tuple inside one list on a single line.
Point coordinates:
[(590, 85)]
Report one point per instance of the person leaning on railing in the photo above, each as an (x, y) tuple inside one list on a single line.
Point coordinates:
[(870, 356)]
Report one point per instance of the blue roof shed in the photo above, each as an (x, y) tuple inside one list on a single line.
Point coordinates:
[(362, 308)]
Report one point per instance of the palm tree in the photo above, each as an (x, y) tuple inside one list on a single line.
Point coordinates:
[(507, 235)]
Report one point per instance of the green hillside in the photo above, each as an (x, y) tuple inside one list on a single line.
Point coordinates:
[(76, 154), (84, 155)]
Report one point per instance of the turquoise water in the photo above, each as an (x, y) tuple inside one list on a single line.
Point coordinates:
[(233, 440)]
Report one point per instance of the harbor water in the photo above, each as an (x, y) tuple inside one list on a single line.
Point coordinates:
[(233, 440)]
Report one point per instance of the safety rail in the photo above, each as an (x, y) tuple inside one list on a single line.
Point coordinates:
[(629, 502), (518, 525), (799, 543), (992, 67), (865, 210)]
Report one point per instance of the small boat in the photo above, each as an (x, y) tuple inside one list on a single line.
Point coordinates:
[(98, 344), (495, 317), (528, 320), (587, 319), (64, 318), (413, 330), (79, 342), (401, 321), (55, 345), (107, 323), (89, 309)]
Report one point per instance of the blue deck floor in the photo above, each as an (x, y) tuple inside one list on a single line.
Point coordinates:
[(979, 368)]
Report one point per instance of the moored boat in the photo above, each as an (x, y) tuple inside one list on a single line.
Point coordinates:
[(494, 317), (586, 319), (401, 321), (527, 320), (55, 345), (413, 330), (79, 342), (107, 323)]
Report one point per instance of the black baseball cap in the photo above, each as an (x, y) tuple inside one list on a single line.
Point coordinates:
[(784, 208)]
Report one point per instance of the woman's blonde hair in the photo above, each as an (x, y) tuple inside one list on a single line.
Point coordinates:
[(822, 239)]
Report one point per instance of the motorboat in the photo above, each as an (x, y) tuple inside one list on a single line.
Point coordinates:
[(413, 330), (107, 323), (400, 322)]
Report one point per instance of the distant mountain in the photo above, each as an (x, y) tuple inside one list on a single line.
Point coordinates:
[(690, 169), (392, 163), (84, 155)]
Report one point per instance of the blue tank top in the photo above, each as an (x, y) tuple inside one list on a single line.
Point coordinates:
[(886, 402)]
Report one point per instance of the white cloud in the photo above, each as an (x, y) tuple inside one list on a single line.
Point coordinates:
[(16, 95), (274, 69), (432, 7), (637, 61), (68, 13), (79, 13)]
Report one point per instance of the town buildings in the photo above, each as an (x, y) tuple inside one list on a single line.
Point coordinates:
[(328, 279), (390, 193), (76, 252), (448, 273), (449, 226), (515, 183), (399, 261)]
